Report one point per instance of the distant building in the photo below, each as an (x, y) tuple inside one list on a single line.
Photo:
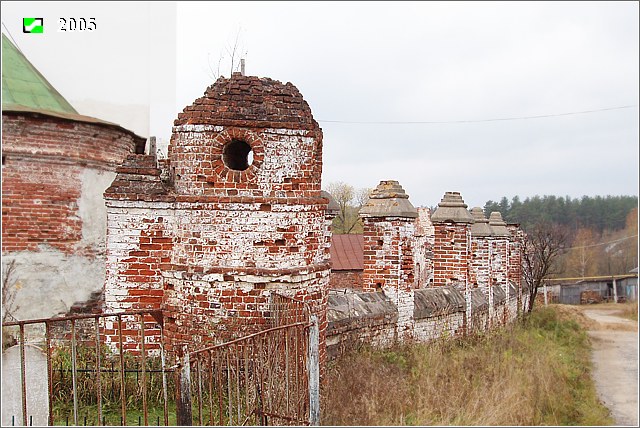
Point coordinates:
[(596, 290), (347, 261)]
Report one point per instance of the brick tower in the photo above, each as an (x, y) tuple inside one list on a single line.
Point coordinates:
[(238, 216)]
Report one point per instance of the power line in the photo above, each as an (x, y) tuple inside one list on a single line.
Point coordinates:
[(476, 120), (604, 243)]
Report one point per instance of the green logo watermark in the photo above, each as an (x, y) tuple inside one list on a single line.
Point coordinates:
[(33, 25)]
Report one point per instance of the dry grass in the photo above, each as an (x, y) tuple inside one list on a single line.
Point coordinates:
[(576, 313), (630, 311), (625, 310), (537, 373)]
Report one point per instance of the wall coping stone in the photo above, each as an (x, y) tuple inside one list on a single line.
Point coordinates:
[(434, 301)]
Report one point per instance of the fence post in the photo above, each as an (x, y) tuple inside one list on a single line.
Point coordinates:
[(183, 392), (615, 291), (314, 371)]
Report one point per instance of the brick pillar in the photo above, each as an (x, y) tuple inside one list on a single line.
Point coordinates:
[(451, 222), (480, 266), (388, 219), (514, 269), (423, 249), (500, 255), (452, 245)]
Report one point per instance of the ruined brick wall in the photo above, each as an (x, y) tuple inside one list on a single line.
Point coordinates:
[(438, 312), (356, 317), (53, 174), (444, 325), (346, 279), (472, 259), (233, 228), (480, 269), (513, 305), (205, 308), (43, 159)]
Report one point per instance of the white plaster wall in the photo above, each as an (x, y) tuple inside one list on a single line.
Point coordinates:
[(47, 282), (91, 207)]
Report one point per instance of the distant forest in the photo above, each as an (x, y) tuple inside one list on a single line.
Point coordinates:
[(596, 213), (602, 231)]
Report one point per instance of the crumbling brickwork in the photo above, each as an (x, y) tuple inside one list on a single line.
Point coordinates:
[(43, 158), (346, 279), (479, 269), (54, 170), (499, 261), (481, 257), (241, 215), (388, 254)]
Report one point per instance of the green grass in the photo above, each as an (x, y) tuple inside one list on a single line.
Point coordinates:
[(112, 415), (536, 372), (110, 389)]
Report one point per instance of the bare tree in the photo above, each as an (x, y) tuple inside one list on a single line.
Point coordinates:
[(231, 52), (350, 201), (543, 246), (8, 291)]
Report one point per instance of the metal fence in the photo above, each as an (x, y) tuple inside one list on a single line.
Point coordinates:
[(270, 377), (261, 379), (267, 378), (85, 377)]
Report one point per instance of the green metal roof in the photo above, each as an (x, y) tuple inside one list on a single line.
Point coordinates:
[(24, 88)]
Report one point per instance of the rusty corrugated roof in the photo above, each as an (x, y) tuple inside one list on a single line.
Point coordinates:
[(347, 252)]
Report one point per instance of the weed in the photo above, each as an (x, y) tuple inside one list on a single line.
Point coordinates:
[(536, 372), (630, 310)]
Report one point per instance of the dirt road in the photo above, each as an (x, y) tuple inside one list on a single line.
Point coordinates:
[(615, 358)]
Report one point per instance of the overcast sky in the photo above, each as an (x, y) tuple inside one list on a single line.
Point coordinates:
[(382, 62)]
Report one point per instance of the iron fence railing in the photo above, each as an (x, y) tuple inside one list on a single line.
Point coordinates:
[(112, 369), (270, 377), (78, 341)]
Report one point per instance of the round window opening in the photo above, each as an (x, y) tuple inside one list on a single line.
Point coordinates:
[(237, 155)]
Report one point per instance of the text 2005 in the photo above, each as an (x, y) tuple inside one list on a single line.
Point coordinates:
[(77, 24)]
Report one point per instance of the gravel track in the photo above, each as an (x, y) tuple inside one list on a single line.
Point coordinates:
[(615, 358)]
